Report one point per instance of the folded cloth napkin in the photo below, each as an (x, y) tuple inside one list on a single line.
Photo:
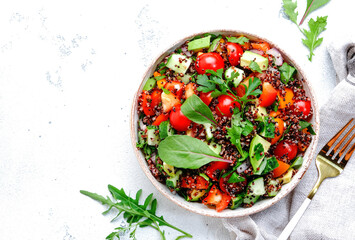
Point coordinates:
[(331, 214)]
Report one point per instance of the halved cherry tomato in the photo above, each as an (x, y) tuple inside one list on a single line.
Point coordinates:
[(234, 52), (196, 182), (241, 88), (178, 120), (206, 97), (287, 100), (268, 96), (225, 106), (212, 61), (285, 150), (279, 130), (217, 198), (263, 46), (161, 118), (231, 188), (281, 169), (150, 101), (175, 87), (302, 108), (214, 169)]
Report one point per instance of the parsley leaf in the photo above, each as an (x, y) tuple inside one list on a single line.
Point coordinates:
[(315, 28), (240, 40), (235, 178), (205, 84), (308, 125), (289, 8), (254, 67), (258, 151), (286, 72)]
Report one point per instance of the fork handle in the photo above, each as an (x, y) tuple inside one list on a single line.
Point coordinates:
[(292, 224)]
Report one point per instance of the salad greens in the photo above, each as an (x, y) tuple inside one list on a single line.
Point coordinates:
[(136, 214)]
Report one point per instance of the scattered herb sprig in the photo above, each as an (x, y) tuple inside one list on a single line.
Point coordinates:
[(316, 27), (136, 215)]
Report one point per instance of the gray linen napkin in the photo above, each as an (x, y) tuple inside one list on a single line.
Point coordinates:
[(331, 214)]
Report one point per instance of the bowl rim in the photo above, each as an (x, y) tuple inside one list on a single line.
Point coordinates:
[(259, 206)]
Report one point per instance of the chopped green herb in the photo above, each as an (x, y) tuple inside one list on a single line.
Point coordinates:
[(255, 67), (240, 40), (287, 72), (235, 178), (308, 125)]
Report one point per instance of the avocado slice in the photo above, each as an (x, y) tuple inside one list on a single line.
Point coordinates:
[(178, 63), (287, 177), (249, 56), (199, 43), (256, 160)]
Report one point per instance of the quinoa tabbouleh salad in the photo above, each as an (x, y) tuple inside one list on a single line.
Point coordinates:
[(224, 121)]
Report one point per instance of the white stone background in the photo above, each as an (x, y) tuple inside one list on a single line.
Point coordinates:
[(68, 73)]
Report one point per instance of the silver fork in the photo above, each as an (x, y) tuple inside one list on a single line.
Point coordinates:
[(328, 165)]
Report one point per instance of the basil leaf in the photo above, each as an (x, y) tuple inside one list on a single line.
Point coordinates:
[(308, 125), (183, 151), (197, 111), (235, 178), (287, 72)]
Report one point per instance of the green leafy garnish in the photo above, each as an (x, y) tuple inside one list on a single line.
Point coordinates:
[(308, 125), (254, 67), (311, 6), (197, 111), (235, 178), (297, 163), (258, 151), (240, 40), (315, 28), (166, 91), (205, 84), (286, 72), (271, 164), (142, 144), (136, 215), (267, 127), (150, 84), (290, 10), (183, 151)]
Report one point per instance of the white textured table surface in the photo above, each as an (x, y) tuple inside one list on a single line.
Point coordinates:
[(68, 73)]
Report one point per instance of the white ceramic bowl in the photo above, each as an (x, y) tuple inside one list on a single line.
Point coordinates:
[(198, 207)]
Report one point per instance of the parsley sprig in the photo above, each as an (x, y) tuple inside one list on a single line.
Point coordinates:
[(136, 215)]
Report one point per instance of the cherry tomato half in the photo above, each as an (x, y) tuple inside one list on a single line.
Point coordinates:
[(206, 97), (234, 52), (286, 150), (225, 106), (302, 108), (231, 188), (212, 61), (217, 198), (150, 101), (195, 182), (178, 120), (175, 87), (213, 170), (268, 96)]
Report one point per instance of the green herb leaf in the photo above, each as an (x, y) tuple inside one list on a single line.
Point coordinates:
[(205, 84), (308, 125), (267, 127), (258, 151), (214, 44), (235, 178), (297, 163), (240, 40), (286, 72), (271, 164), (197, 111), (315, 28), (289, 8), (135, 214), (166, 91), (254, 67), (311, 6), (183, 151), (160, 77)]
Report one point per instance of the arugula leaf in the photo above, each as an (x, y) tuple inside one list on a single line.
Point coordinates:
[(286, 72), (289, 8), (205, 84), (135, 214), (197, 111), (315, 28), (183, 151), (311, 6), (254, 67), (235, 178), (240, 40), (308, 125)]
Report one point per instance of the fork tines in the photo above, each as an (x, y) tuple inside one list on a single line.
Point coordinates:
[(336, 157)]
